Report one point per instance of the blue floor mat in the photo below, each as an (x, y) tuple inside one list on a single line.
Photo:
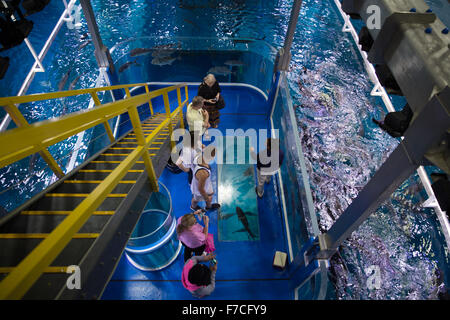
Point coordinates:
[(245, 268)]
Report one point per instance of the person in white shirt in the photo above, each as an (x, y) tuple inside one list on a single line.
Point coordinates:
[(201, 186), (197, 118), (186, 159)]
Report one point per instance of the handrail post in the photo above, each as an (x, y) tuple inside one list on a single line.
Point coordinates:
[(168, 115), (149, 101), (136, 122), (181, 109), (20, 121), (106, 124)]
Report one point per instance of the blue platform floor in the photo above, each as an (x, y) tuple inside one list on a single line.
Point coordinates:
[(245, 268)]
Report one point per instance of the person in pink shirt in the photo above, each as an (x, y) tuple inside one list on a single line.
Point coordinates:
[(192, 235), (197, 277)]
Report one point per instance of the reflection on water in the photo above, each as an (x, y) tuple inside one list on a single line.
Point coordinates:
[(343, 149), (238, 215)]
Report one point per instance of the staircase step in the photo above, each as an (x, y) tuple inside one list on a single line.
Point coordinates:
[(21, 234), (38, 224)]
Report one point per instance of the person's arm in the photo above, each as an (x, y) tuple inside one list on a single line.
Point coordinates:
[(203, 258), (206, 222), (218, 90), (205, 118), (180, 165)]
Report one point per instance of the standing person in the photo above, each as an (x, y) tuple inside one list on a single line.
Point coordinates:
[(201, 186), (191, 234), (268, 163), (198, 278), (396, 123), (186, 159), (210, 90), (197, 118)]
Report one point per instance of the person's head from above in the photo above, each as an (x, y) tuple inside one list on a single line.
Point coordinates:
[(206, 156), (209, 79), (200, 275), (197, 102), (187, 221)]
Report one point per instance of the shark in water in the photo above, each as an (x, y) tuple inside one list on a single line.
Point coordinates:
[(63, 80), (84, 44), (126, 65), (242, 216), (166, 60), (221, 70), (140, 52), (74, 81), (233, 63)]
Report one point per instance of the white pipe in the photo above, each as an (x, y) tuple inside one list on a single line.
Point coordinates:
[(40, 67), (378, 89), (26, 84), (221, 84)]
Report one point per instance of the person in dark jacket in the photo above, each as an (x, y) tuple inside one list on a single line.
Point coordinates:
[(210, 90), (268, 163), (396, 123)]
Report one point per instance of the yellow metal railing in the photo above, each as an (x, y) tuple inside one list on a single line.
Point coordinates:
[(10, 105), (25, 140)]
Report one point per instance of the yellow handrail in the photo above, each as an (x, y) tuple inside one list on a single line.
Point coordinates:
[(62, 94), (20, 142)]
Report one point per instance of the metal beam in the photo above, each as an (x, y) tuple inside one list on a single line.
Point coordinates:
[(434, 121), (285, 57), (102, 54)]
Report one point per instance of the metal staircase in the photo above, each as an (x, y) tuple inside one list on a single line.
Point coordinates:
[(86, 217)]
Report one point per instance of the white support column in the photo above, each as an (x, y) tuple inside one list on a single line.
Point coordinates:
[(39, 67), (67, 12)]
